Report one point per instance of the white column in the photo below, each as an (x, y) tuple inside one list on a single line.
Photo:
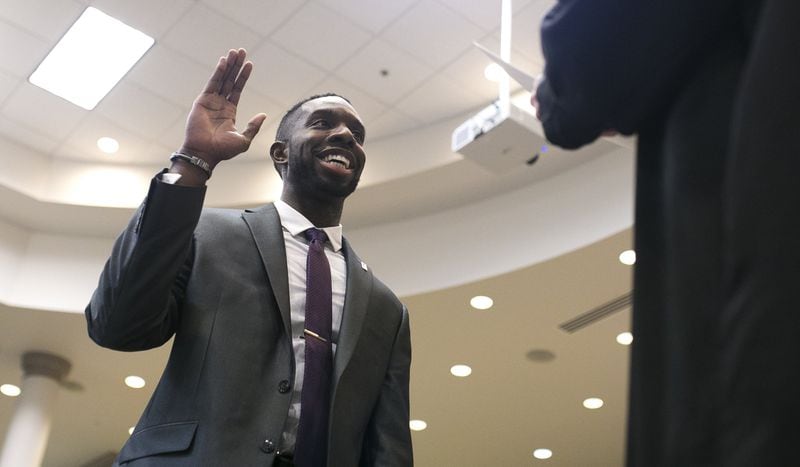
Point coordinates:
[(27, 435)]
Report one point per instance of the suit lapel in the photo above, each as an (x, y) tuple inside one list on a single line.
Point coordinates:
[(265, 226), (359, 287)]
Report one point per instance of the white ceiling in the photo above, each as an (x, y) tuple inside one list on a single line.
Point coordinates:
[(509, 406), (298, 47)]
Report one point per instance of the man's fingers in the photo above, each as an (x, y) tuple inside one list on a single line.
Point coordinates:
[(230, 75), (253, 126), (215, 81), (230, 62), (238, 86), (235, 62)]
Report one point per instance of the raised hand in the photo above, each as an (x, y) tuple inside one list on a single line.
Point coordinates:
[(211, 132)]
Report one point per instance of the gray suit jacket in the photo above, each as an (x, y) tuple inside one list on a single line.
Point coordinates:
[(217, 280)]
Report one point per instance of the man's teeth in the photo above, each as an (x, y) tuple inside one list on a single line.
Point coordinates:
[(338, 159)]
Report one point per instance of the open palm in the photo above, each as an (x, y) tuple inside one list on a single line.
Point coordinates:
[(211, 132)]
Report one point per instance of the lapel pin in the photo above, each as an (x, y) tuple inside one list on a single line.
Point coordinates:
[(364, 266)]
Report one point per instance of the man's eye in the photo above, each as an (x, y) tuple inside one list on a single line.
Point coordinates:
[(320, 124), (359, 136)]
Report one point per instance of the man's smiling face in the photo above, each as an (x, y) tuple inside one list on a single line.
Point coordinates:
[(325, 153)]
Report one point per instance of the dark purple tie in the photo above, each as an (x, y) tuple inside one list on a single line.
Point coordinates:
[(311, 448)]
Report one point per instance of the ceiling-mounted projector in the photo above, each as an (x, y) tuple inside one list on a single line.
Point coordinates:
[(500, 137)]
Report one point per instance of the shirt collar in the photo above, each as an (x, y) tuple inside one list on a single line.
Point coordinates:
[(296, 223)]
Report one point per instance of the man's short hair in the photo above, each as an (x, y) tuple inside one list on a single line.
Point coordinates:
[(291, 115)]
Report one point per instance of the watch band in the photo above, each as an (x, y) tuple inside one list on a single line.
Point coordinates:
[(194, 160)]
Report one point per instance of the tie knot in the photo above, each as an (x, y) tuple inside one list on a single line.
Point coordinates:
[(316, 236)]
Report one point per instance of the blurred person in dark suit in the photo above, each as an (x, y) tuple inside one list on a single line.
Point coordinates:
[(712, 89)]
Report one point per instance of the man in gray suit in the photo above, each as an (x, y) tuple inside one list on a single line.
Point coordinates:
[(230, 287)]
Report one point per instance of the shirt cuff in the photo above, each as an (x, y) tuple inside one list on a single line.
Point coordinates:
[(168, 177)]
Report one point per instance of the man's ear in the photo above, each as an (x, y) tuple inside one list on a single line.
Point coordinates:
[(278, 153)]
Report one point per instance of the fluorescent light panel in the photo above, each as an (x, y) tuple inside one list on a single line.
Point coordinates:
[(91, 58)]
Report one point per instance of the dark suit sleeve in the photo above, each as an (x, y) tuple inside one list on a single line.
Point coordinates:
[(137, 301), (388, 439), (610, 64)]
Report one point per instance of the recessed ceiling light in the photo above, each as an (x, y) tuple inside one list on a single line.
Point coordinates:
[(130, 430), (10, 390), (493, 72), (135, 382), (462, 371), (91, 58), (417, 425), (481, 302), (625, 338), (542, 453), (108, 145), (627, 257), (593, 403)]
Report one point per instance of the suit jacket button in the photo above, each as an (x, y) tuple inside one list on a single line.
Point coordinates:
[(284, 386), (268, 446)]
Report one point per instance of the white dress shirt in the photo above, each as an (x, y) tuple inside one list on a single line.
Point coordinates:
[(294, 224)]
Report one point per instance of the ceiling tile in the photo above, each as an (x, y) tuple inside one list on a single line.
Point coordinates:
[(518, 5), (280, 75), (321, 36), (27, 136), (152, 17), (139, 111), (437, 99), (7, 85), (82, 143), (368, 108), (46, 18), (366, 14), (529, 65), (205, 35), (404, 71), (526, 38), (485, 14), (262, 16), (390, 123), (170, 75), (36, 108), (433, 33), (253, 102), (468, 71), (21, 50)]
